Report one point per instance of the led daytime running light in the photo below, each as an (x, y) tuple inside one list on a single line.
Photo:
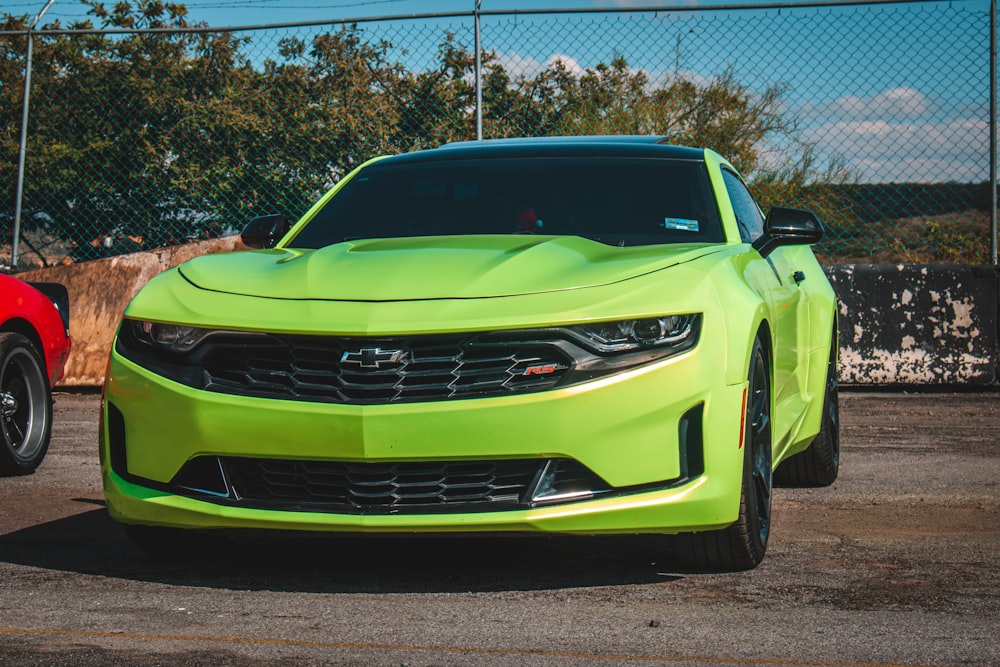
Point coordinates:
[(638, 334)]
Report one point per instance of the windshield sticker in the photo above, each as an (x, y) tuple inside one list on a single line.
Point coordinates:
[(680, 224)]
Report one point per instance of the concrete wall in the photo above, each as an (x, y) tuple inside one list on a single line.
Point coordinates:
[(98, 293), (899, 324), (917, 325)]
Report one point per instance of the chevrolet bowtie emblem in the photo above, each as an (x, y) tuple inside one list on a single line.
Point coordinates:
[(373, 357)]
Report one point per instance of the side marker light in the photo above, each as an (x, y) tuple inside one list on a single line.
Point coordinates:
[(743, 418)]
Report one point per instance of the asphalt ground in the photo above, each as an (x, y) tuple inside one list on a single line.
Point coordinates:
[(896, 564)]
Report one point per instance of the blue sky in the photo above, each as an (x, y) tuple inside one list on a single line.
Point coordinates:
[(900, 91), (226, 13)]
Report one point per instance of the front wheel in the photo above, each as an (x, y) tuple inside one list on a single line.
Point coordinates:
[(742, 545), (25, 406)]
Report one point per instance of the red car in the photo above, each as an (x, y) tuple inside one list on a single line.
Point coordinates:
[(34, 345)]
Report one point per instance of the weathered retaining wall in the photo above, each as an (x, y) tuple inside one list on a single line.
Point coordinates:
[(899, 324), (98, 293), (917, 325)]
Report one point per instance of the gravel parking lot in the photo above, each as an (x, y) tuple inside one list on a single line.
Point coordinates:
[(896, 564)]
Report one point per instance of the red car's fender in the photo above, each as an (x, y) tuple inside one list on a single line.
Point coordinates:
[(29, 312)]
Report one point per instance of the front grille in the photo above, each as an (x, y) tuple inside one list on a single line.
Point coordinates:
[(369, 371), (395, 488)]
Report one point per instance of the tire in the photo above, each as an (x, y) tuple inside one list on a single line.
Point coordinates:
[(742, 545), (25, 406), (819, 464)]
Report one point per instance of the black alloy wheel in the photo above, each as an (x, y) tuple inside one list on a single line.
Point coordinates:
[(758, 445), (25, 406), (742, 545)]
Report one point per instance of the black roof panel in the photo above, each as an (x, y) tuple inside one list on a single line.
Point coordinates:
[(592, 146)]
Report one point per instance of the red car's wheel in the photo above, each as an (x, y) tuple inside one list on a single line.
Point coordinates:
[(25, 406)]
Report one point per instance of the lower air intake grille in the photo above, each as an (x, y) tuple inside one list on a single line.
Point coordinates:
[(395, 488)]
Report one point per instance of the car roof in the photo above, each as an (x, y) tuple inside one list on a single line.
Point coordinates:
[(591, 146)]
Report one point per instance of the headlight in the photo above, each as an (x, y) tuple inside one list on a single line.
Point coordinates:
[(635, 335), (177, 338), (175, 351)]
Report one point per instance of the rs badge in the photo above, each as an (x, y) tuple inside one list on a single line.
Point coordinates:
[(544, 369)]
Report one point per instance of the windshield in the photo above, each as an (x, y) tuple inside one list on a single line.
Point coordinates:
[(617, 201)]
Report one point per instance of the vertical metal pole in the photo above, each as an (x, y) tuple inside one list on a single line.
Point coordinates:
[(677, 55), (479, 76), (19, 196), (993, 132), (22, 147)]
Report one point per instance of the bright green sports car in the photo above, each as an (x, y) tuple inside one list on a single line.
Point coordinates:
[(567, 336)]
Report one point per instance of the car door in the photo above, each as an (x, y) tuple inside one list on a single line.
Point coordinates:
[(780, 283)]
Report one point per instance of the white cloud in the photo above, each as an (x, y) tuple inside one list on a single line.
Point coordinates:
[(571, 64), (517, 65), (883, 138), (894, 103), (900, 134), (883, 150)]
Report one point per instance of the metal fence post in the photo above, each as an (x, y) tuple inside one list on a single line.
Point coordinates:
[(22, 146), (479, 75), (993, 131)]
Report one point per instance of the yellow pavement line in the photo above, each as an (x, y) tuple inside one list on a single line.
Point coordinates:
[(445, 649)]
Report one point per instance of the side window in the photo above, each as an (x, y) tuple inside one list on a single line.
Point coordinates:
[(748, 217)]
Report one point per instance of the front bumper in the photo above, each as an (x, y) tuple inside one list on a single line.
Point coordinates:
[(624, 428)]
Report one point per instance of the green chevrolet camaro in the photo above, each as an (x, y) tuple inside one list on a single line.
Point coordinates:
[(563, 336)]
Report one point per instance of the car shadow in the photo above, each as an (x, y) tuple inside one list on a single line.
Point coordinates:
[(92, 543)]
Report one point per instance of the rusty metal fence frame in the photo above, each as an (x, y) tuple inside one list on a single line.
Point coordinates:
[(476, 16)]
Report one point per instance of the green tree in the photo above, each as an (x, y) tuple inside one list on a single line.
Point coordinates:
[(163, 136), (100, 160)]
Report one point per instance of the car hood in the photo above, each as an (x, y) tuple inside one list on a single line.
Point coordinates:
[(447, 267)]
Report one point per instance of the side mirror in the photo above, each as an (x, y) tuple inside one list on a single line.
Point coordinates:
[(788, 226), (59, 295), (265, 231)]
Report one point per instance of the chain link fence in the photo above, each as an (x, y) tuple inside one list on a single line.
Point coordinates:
[(144, 133)]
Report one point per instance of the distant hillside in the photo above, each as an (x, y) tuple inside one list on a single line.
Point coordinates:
[(903, 222), (892, 201)]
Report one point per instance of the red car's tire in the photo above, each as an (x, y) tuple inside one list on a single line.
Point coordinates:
[(25, 406)]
